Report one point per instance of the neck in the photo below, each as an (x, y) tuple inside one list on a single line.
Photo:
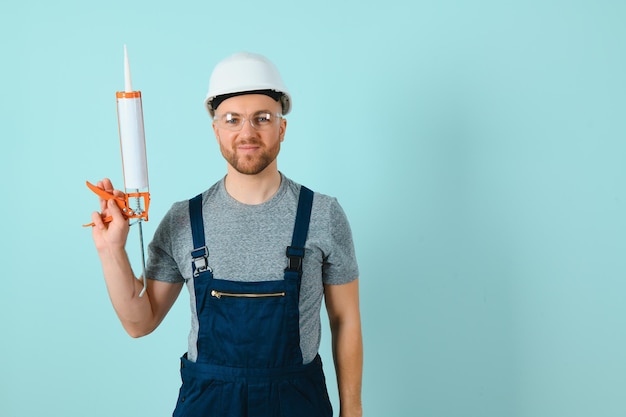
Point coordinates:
[(252, 189)]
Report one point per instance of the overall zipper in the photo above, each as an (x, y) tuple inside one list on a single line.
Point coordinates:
[(220, 294)]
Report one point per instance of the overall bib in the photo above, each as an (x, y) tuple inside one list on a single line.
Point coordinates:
[(249, 359)]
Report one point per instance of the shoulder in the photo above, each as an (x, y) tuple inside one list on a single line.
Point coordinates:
[(326, 208), (178, 214), (321, 201)]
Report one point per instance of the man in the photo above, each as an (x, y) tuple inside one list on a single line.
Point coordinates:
[(257, 252)]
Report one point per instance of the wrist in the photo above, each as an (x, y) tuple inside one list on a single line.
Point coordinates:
[(354, 410), (112, 254)]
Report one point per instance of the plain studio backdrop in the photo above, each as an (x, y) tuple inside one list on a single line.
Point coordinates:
[(477, 147)]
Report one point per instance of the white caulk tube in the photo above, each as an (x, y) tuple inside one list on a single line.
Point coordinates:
[(133, 147), (132, 136), (132, 140)]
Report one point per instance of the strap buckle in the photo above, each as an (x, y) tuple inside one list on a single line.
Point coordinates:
[(200, 260), (295, 256)]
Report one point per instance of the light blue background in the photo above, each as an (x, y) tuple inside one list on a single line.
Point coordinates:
[(478, 148)]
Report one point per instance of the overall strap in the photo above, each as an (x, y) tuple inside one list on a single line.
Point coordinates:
[(295, 252), (293, 272), (200, 253)]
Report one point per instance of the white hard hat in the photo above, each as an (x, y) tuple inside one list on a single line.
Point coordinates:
[(246, 72)]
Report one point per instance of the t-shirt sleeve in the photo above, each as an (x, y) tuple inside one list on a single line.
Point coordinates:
[(161, 265), (340, 264)]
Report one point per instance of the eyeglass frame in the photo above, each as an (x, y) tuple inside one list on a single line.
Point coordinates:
[(245, 119)]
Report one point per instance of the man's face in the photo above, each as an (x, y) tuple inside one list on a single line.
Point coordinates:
[(250, 150)]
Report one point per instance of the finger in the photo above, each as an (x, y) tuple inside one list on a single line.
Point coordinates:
[(103, 201), (96, 218), (115, 211), (107, 184), (108, 187)]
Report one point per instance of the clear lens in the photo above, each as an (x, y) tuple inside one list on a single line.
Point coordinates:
[(233, 121)]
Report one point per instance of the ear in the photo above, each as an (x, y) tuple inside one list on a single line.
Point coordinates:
[(282, 129), (216, 132)]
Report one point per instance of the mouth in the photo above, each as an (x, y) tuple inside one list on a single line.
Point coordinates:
[(248, 148)]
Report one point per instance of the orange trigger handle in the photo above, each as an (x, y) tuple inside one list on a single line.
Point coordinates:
[(105, 195), (122, 203)]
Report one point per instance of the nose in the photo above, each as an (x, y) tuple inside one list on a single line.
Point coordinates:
[(247, 129)]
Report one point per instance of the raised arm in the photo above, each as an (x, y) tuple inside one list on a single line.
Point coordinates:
[(139, 315), (342, 304)]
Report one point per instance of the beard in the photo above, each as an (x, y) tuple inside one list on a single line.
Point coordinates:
[(250, 164)]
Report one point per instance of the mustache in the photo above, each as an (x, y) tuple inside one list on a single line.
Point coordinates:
[(248, 141)]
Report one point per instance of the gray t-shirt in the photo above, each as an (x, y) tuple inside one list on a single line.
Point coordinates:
[(248, 243)]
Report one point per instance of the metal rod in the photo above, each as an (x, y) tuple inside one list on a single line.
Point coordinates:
[(143, 257), (143, 260)]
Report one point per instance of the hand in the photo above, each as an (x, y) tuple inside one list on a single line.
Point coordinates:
[(111, 235)]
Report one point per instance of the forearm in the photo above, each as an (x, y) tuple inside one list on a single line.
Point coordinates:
[(134, 312), (348, 357)]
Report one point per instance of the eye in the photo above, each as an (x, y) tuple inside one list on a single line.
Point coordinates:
[(231, 119), (261, 119)]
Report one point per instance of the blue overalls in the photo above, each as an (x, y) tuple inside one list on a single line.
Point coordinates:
[(249, 359)]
